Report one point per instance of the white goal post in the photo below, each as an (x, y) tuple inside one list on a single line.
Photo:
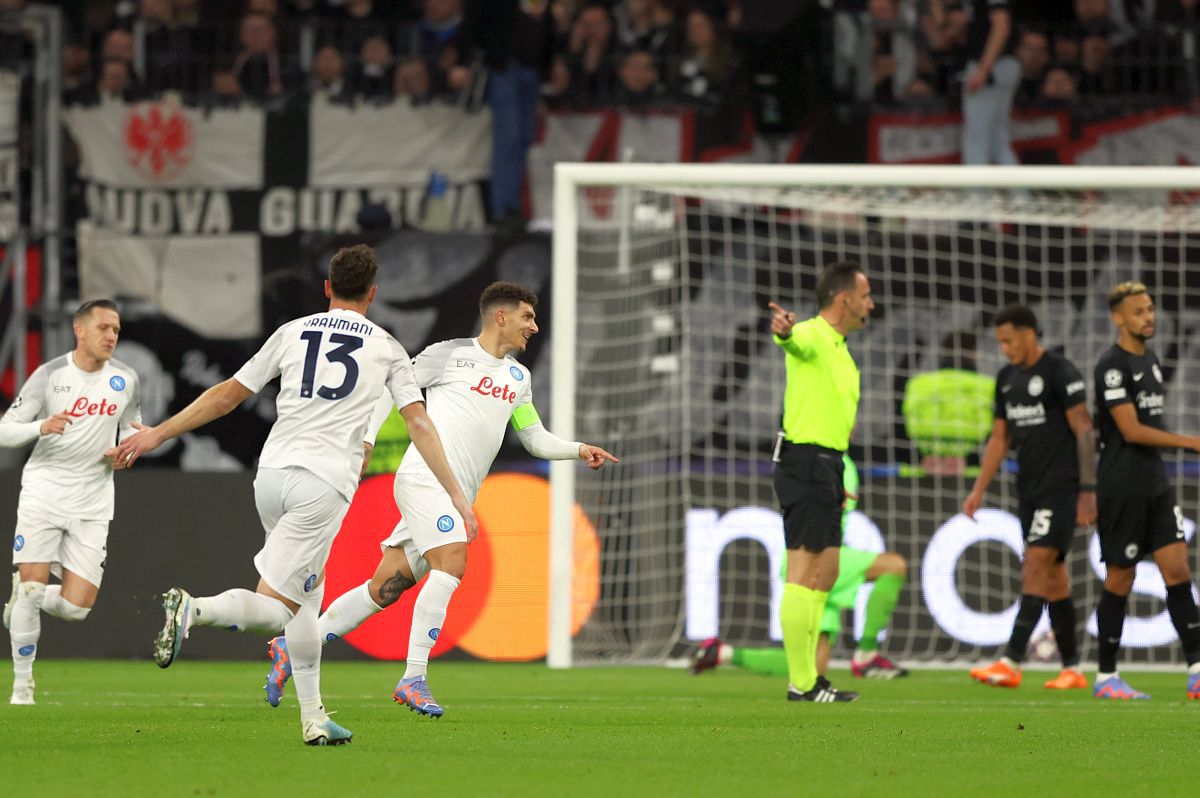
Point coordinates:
[(705, 240)]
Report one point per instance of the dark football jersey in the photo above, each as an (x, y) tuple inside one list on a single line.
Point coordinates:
[(1034, 402), (1129, 469)]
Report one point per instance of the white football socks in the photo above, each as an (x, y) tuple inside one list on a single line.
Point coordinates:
[(26, 628), (304, 649), (429, 613), (346, 613), (241, 610)]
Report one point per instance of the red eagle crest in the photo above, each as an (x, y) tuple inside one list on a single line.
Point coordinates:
[(158, 140)]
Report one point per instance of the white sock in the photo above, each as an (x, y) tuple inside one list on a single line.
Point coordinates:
[(54, 604), (1016, 666), (724, 654), (1102, 676), (429, 613), (241, 610), (304, 649), (862, 657), (26, 628), (1194, 669), (346, 613)]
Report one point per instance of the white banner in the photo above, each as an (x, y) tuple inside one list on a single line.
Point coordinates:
[(166, 145), (367, 146)]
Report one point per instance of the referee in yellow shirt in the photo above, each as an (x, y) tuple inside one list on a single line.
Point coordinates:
[(819, 407)]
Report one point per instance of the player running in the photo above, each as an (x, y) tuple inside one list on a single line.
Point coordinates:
[(475, 389), (856, 567), (333, 367), (1138, 511), (1041, 411), (75, 407)]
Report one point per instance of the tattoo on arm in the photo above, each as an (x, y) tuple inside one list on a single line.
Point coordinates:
[(394, 586)]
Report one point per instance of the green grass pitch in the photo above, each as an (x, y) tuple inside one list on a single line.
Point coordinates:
[(202, 729)]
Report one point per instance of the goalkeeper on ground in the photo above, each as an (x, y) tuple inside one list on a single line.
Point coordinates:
[(855, 567)]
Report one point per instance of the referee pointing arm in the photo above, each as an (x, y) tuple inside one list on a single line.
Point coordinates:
[(819, 407)]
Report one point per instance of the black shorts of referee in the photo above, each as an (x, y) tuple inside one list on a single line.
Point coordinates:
[(811, 491)]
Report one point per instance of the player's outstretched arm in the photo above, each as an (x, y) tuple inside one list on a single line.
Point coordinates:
[(217, 401), (425, 437), (993, 456)]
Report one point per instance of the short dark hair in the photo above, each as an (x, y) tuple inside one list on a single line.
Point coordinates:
[(352, 272), (836, 278), (503, 293), (1126, 289), (1019, 316), (87, 307)]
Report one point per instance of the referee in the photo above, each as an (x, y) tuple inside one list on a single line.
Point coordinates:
[(819, 406)]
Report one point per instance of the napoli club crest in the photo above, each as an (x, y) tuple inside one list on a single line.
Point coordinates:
[(445, 523), (516, 373), (117, 383), (310, 583)]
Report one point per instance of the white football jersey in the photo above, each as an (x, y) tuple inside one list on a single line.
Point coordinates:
[(470, 396), (332, 368), (67, 474)]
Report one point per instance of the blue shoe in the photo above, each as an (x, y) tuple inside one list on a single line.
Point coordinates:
[(281, 670), (177, 606), (415, 693), (1116, 688), (325, 732), (1194, 685)]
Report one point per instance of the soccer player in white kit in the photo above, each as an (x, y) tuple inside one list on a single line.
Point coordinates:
[(333, 367), (74, 406), (475, 389)]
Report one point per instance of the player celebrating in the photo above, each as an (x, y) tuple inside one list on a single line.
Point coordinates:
[(1041, 411), (1138, 511), (74, 406), (819, 408), (855, 567), (475, 389), (333, 366)]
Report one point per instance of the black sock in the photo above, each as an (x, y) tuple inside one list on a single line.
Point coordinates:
[(1186, 617), (1028, 615), (1110, 618), (1062, 621)]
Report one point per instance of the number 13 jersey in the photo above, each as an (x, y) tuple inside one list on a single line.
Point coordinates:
[(332, 368)]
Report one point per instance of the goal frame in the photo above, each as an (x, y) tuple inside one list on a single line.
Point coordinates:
[(569, 178)]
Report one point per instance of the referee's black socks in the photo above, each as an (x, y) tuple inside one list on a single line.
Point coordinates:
[(1110, 619), (1186, 617), (1029, 613)]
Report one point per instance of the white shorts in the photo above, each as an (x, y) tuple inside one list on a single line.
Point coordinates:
[(75, 544), (301, 514), (428, 520)]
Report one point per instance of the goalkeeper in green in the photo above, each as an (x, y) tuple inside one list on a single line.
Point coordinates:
[(855, 567)]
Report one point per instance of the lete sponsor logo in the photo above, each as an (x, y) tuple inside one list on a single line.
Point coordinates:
[(84, 407), (158, 139), (488, 388)]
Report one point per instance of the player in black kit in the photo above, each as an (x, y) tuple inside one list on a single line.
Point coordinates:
[(1138, 511), (1041, 412)]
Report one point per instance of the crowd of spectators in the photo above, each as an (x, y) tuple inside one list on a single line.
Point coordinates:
[(633, 53), (907, 52), (779, 60)]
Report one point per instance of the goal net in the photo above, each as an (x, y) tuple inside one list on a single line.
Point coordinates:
[(662, 353)]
